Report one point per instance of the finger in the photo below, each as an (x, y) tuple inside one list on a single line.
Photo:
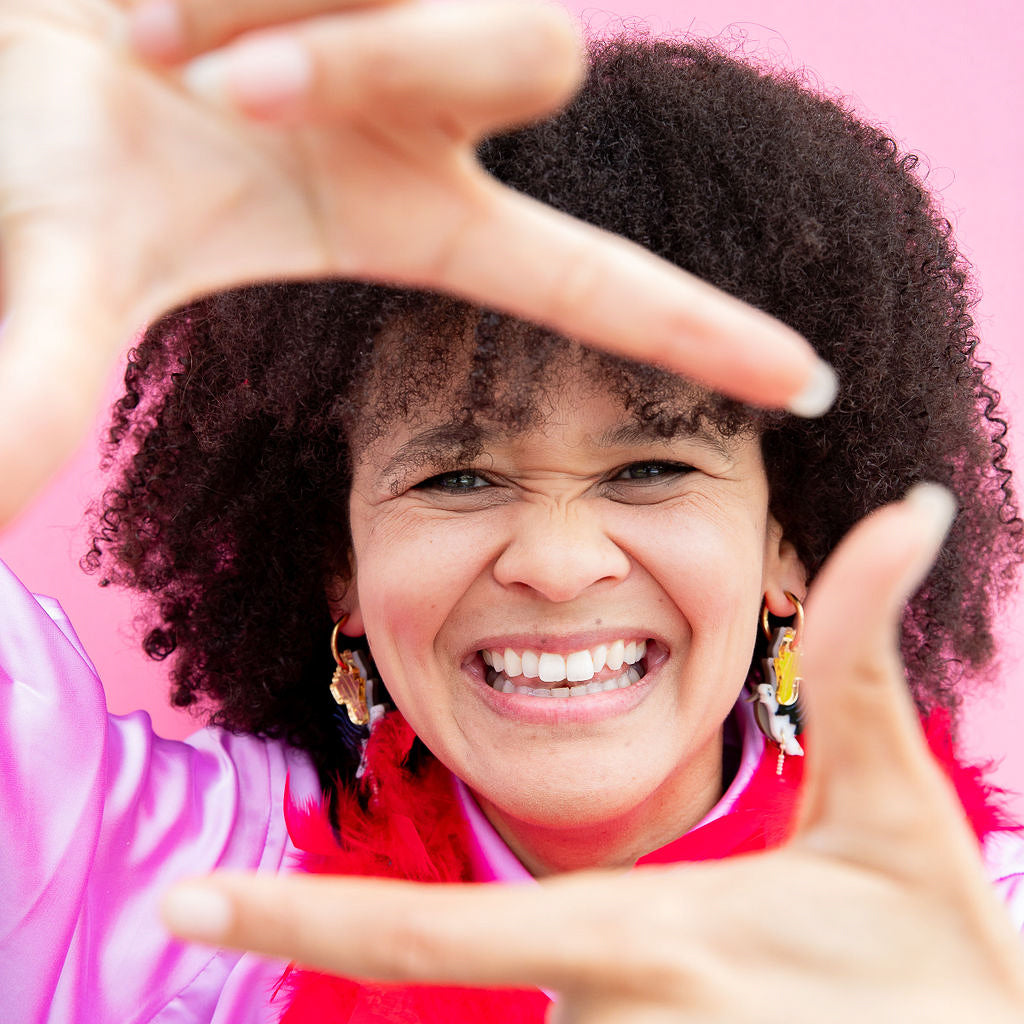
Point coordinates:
[(169, 31), (528, 259), (469, 69), (49, 385), (552, 935), (870, 773)]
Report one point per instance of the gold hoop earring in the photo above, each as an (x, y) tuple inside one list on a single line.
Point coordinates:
[(348, 686), (784, 653), (777, 697)]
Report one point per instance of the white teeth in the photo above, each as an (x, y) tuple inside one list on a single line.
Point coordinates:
[(552, 668), (619, 682), (616, 655), (635, 650), (579, 666)]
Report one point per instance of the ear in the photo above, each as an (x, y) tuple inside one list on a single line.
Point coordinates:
[(783, 571), (343, 599)]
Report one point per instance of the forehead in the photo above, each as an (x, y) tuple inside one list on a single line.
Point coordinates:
[(466, 381)]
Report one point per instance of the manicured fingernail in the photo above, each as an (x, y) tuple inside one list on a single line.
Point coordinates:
[(157, 31), (936, 502), (205, 78), (269, 75), (198, 912), (818, 394)]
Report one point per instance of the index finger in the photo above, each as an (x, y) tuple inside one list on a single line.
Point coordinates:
[(550, 935), (530, 260)]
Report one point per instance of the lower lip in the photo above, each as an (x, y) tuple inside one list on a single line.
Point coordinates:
[(593, 707)]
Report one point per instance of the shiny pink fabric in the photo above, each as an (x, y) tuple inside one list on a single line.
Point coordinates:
[(99, 817)]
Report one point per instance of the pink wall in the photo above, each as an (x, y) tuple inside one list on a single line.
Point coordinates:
[(948, 83)]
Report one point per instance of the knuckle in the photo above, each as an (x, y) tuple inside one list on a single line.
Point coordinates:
[(413, 950), (576, 283)]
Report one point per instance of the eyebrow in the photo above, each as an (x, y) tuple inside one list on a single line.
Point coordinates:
[(441, 444), (630, 435), (450, 442)]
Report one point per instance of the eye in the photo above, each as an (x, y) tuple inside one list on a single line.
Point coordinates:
[(458, 481), (646, 483), (643, 472)]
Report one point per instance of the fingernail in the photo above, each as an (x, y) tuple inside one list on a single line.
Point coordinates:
[(936, 502), (818, 394), (197, 912), (157, 31), (267, 75), (205, 78)]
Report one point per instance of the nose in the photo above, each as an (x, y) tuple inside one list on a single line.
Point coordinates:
[(560, 551)]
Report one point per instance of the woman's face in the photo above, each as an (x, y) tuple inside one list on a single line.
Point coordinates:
[(557, 548)]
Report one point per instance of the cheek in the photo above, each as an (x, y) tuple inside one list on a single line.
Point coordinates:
[(410, 578), (710, 565)]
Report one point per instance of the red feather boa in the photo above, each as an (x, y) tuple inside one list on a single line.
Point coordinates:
[(414, 829)]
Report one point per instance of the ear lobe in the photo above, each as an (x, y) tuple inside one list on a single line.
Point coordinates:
[(343, 599)]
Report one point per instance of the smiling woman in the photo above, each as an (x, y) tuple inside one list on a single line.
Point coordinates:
[(577, 537), (554, 569)]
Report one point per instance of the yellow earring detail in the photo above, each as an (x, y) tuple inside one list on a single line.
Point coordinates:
[(348, 687), (783, 662), (776, 698)]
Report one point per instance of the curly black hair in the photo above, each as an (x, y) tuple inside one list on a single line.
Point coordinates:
[(234, 439)]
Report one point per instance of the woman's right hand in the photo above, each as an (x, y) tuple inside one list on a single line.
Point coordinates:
[(322, 142)]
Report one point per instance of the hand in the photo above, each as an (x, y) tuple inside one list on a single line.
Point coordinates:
[(339, 142), (877, 908)]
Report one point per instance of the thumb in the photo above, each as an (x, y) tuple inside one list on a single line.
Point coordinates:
[(866, 754)]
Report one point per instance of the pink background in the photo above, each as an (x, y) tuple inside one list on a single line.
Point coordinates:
[(948, 84)]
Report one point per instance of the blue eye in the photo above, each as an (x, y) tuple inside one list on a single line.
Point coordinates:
[(458, 481)]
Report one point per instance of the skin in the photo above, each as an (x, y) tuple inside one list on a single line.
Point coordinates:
[(554, 540)]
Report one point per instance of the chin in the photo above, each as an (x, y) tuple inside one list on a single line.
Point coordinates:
[(567, 800)]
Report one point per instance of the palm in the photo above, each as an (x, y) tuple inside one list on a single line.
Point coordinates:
[(224, 200)]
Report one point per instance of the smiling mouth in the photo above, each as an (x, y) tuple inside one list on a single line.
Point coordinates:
[(606, 667)]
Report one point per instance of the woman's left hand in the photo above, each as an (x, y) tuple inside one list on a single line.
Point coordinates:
[(877, 908)]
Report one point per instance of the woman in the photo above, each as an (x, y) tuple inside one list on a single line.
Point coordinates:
[(469, 492)]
